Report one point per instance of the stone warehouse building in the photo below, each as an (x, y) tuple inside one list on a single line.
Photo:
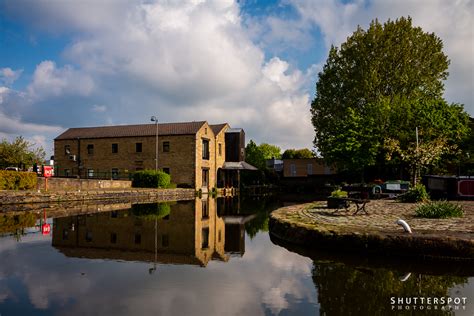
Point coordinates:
[(195, 154)]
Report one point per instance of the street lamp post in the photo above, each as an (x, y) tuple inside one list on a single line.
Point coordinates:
[(155, 119)]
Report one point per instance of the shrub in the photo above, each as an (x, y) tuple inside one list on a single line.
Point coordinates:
[(339, 194), (151, 179), (439, 209), (415, 194), (14, 180)]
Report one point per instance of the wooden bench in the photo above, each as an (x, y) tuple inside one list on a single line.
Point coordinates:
[(359, 203)]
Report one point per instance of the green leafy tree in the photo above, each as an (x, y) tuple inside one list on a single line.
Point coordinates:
[(257, 154), (466, 159), (254, 155), (441, 127), (374, 88), (20, 153), (270, 151), (297, 153)]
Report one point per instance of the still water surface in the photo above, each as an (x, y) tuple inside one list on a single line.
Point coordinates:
[(202, 257)]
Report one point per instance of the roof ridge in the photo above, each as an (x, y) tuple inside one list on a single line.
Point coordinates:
[(135, 130)]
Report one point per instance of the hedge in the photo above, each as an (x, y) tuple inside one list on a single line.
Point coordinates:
[(17, 180), (151, 179)]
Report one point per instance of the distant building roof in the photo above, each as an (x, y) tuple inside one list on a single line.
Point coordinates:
[(241, 165), (234, 130), (216, 128), (186, 128)]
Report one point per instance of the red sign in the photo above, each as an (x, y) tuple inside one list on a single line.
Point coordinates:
[(47, 171), (46, 229)]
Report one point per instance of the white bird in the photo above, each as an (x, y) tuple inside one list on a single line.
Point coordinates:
[(405, 277), (405, 225)]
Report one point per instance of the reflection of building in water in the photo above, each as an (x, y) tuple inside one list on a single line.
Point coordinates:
[(186, 233), (229, 209)]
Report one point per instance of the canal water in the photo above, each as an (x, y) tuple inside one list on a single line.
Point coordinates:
[(204, 257)]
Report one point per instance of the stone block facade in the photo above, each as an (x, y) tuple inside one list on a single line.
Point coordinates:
[(192, 153)]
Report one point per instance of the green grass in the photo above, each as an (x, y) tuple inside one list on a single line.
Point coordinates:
[(439, 209)]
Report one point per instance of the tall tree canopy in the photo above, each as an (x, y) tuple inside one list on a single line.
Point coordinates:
[(257, 154), (20, 153), (378, 87), (297, 153)]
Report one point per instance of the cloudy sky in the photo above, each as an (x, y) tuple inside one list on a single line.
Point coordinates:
[(250, 63)]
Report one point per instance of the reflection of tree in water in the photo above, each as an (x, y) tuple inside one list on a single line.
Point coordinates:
[(151, 211), (261, 208), (344, 290), (16, 224)]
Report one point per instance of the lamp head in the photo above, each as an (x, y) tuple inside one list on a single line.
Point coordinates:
[(154, 119)]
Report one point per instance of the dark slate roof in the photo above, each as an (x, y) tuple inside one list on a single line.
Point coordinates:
[(216, 128), (187, 128)]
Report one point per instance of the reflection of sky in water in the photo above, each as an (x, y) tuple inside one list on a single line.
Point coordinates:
[(466, 290), (37, 279)]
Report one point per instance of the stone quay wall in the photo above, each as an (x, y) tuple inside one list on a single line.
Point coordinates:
[(26, 197), (73, 184), (315, 226)]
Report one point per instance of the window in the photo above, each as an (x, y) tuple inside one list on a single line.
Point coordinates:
[(90, 173), (166, 170), (166, 147), (114, 148), (219, 235), (113, 238), (88, 236), (220, 149), (309, 169), (67, 172), (67, 149), (65, 234), (205, 209), (138, 239), (205, 130), (138, 147), (90, 149), (115, 173), (205, 149), (165, 240), (205, 238), (293, 170), (205, 177)]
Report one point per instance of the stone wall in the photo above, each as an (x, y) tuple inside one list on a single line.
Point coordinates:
[(18, 197), (72, 184), (99, 160)]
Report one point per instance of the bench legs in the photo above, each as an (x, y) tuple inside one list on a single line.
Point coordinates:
[(361, 207)]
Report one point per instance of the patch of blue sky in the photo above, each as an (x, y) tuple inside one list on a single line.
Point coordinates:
[(258, 8), (23, 48), (310, 50)]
